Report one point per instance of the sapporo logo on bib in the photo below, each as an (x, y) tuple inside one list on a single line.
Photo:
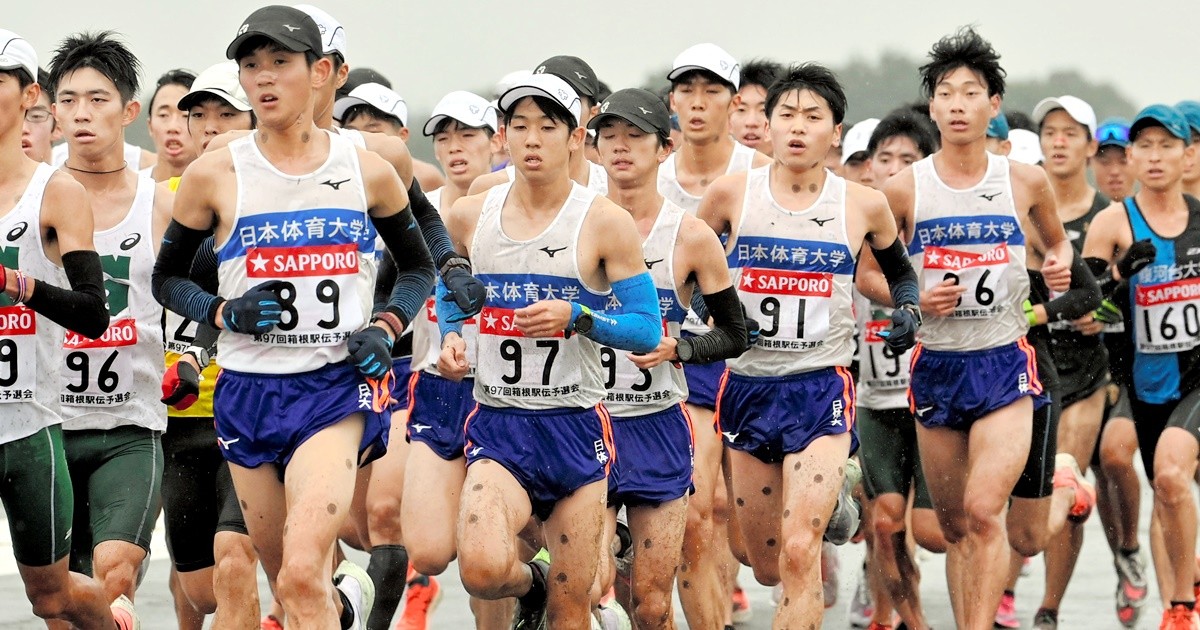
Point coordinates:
[(980, 272), (1168, 316), (18, 342)]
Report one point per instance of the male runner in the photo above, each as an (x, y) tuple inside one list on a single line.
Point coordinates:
[(787, 407), (651, 429), (704, 80), (997, 135), (539, 441), (856, 158), (39, 130), (376, 108), (967, 236), (1111, 166), (1191, 171), (891, 463), (748, 120), (463, 127), (309, 253), (1165, 337), (206, 534), (582, 79), (48, 232), (109, 388), (168, 126), (1067, 126)]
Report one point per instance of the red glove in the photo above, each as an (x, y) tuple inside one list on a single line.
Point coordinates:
[(181, 386)]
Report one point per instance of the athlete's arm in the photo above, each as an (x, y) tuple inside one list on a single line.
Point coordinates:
[(721, 204), (888, 250), (461, 220), (704, 258), (388, 207), (1081, 299), (224, 139), (1109, 236), (1043, 214), (164, 202), (192, 221), (66, 211), (485, 182)]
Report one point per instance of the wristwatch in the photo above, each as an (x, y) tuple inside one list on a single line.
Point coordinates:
[(684, 349), (202, 356), (585, 322), (916, 312)]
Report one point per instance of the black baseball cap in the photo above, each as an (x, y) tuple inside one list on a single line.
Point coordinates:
[(287, 26), (573, 70), (644, 110), (359, 76)]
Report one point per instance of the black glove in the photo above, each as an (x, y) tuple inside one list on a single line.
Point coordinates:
[(902, 334), (256, 312), (180, 385), (370, 351), (752, 332), (1140, 254), (462, 288)]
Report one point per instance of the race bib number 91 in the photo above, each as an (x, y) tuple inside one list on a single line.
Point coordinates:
[(98, 372), (318, 291), (981, 273), (1168, 316), (18, 350), (792, 307)]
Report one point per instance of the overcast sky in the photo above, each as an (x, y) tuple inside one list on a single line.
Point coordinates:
[(430, 47)]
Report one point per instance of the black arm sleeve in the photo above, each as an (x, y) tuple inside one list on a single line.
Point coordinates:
[(82, 308), (170, 282), (901, 277), (1082, 298), (385, 281), (727, 339), (433, 230), (698, 304), (204, 266), (1102, 272), (415, 274)]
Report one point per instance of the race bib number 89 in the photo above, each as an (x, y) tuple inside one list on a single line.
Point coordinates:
[(981, 273), (319, 292), (1168, 318)]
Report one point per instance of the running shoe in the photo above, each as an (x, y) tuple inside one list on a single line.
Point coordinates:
[(359, 590), (124, 614), (1179, 617), (741, 606), (844, 522), (861, 607), (1006, 614), (1068, 475), (534, 618), (1045, 619), (1132, 589), (424, 593), (829, 573)]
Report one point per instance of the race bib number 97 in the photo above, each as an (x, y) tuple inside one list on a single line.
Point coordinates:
[(981, 273), (318, 292), (98, 372), (18, 350), (1168, 316), (512, 365)]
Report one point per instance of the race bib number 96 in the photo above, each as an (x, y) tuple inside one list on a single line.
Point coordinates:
[(98, 372), (981, 273)]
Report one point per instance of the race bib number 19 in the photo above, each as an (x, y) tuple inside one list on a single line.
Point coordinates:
[(18, 348)]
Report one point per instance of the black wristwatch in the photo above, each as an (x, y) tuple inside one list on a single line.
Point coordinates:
[(584, 323), (684, 349)]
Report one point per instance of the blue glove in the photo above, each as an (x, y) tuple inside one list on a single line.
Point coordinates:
[(370, 351), (902, 334), (256, 312), (462, 288), (752, 331)]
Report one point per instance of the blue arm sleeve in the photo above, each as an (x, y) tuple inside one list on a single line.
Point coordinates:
[(433, 229), (170, 282), (414, 269), (638, 326), (450, 316)]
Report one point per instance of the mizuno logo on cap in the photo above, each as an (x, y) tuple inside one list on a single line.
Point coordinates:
[(604, 107), (474, 109), (645, 111), (581, 76), (245, 27), (290, 28), (540, 70)]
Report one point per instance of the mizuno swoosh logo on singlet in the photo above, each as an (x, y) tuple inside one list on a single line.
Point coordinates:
[(335, 185), (989, 197), (551, 252)]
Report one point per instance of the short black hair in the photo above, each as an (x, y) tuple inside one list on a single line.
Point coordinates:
[(101, 52), (1020, 120), (700, 73), (43, 79), (551, 108), (904, 122), (447, 124), (251, 45), (761, 72), (178, 76), (815, 78), (355, 111), (963, 49)]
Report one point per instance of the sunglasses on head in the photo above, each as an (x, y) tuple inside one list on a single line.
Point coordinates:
[(1112, 133)]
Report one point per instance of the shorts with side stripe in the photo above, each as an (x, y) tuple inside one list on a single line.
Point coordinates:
[(37, 496), (117, 479), (551, 452), (773, 416), (954, 389), (401, 371), (437, 413)]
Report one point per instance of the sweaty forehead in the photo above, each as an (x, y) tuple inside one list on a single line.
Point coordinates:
[(961, 76), (802, 99), (86, 80)]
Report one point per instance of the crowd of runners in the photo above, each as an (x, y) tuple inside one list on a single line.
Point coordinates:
[(612, 347)]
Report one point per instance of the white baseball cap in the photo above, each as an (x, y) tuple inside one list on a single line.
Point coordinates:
[(220, 80), (710, 57), (546, 85), (333, 36), (858, 138), (375, 95), (16, 52), (469, 109), (511, 79), (1026, 147), (1076, 108)]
